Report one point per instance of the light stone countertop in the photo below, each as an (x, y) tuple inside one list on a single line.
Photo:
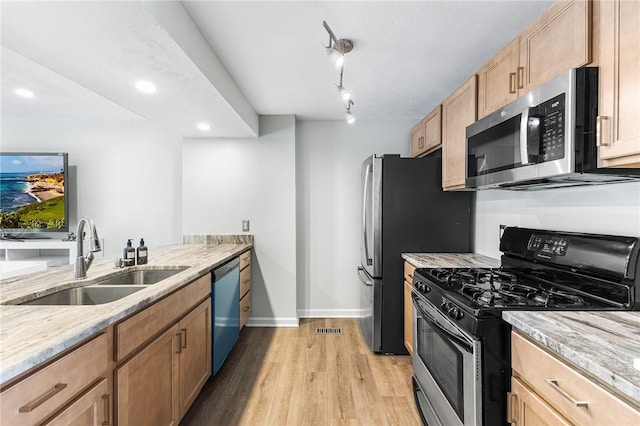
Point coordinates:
[(606, 345), (450, 260), (30, 334)]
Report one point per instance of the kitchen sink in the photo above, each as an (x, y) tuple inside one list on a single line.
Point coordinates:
[(141, 277), (84, 296)]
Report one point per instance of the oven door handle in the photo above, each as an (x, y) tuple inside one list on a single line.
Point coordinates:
[(466, 345)]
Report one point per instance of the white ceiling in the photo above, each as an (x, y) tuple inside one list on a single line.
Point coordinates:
[(82, 58)]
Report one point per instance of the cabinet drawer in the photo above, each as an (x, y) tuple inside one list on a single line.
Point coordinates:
[(408, 272), (92, 408), (245, 281), (41, 394), (245, 308), (133, 332), (558, 383), (245, 259)]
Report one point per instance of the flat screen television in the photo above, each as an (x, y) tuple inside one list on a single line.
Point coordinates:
[(33, 192)]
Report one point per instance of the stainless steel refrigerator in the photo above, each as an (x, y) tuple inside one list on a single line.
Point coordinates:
[(404, 210)]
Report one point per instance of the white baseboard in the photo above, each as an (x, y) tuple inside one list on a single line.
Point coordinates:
[(272, 322), (330, 313)]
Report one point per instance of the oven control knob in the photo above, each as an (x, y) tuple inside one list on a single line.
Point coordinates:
[(445, 305), (455, 313)]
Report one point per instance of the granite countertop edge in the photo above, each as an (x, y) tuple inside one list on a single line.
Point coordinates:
[(450, 260), (605, 346), (31, 335)]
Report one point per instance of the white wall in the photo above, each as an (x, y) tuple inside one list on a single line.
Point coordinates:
[(228, 180), (328, 159), (127, 176), (606, 209)]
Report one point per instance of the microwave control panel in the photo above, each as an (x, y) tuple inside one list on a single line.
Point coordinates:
[(551, 132)]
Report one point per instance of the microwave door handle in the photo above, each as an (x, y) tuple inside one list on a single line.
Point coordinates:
[(524, 152), (364, 215)]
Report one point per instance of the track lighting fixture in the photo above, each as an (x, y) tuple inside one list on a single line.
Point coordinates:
[(335, 51)]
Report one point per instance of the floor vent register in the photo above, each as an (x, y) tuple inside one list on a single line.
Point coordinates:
[(330, 330)]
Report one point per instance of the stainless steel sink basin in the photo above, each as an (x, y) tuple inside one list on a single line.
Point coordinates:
[(84, 296), (141, 277)]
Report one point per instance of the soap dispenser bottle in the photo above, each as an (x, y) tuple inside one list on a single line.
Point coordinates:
[(129, 255), (141, 253)]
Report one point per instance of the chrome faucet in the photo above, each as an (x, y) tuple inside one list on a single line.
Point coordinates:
[(83, 263)]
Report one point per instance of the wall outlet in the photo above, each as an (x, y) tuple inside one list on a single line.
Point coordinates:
[(245, 226)]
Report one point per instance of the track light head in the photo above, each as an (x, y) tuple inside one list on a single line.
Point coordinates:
[(345, 95), (350, 118), (335, 57)]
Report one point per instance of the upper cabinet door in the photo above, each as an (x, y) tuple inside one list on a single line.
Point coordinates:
[(417, 139), (458, 111), (433, 130), (619, 97), (559, 40), (497, 80)]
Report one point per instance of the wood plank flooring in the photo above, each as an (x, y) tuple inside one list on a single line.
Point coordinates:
[(291, 376)]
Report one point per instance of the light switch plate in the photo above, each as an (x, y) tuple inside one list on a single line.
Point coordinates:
[(245, 226)]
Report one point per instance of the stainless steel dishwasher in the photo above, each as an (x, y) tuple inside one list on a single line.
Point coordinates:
[(225, 292)]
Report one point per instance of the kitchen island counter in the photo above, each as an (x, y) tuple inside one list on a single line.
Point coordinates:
[(32, 334), (604, 345)]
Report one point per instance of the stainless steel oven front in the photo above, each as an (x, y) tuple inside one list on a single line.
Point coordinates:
[(446, 364)]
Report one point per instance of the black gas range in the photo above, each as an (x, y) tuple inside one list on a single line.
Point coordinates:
[(458, 313)]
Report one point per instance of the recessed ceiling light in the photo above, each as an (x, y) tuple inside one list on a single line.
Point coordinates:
[(146, 86), (204, 126), (24, 93)]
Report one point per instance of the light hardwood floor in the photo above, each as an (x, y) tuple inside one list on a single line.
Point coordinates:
[(291, 376)]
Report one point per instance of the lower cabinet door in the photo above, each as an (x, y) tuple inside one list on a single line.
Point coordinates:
[(408, 318), (195, 354), (147, 384), (93, 408)]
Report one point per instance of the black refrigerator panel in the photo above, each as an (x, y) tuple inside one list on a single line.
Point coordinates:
[(417, 216)]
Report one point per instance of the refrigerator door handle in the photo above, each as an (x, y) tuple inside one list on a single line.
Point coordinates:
[(362, 275), (364, 215)]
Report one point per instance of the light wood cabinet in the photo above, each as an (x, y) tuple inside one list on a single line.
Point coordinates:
[(138, 329), (458, 111), (147, 384), (195, 354), (619, 94), (408, 306), (93, 408), (245, 287), (426, 136), (417, 139), (556, 42), (546, 390), (497, 80), (43, 393), (526, 408), (158, 385)]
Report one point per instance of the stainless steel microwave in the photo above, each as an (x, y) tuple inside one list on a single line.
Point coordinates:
[(544, 139)]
